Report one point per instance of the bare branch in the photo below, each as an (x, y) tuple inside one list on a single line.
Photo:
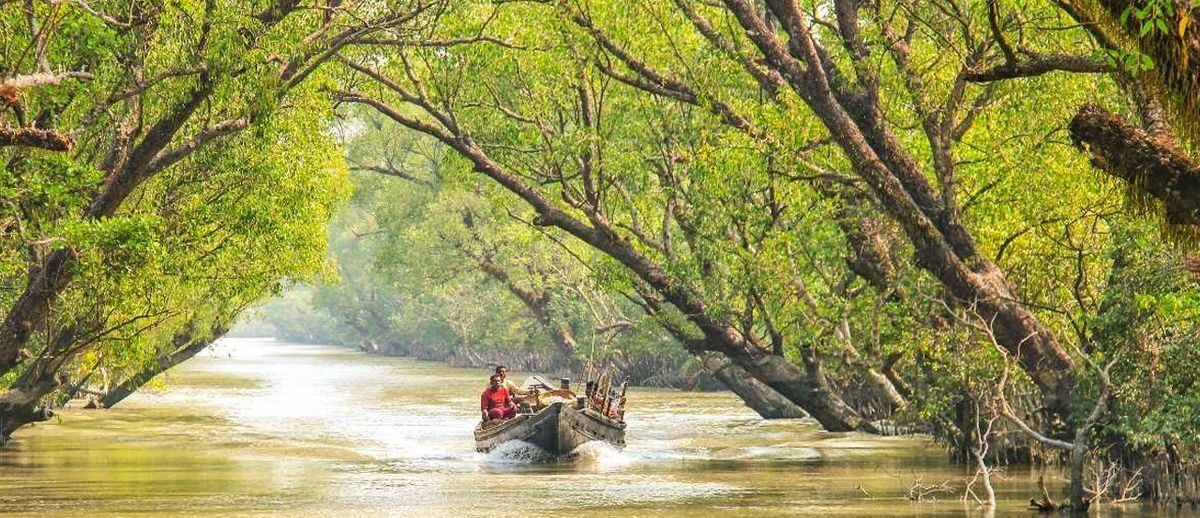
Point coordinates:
[(392, 171), (446, 43), (1034, 65)]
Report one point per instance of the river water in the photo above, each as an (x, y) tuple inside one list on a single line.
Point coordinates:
[(262, 428)]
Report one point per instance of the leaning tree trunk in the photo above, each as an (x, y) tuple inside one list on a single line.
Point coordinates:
[(1154, 166), (764, 400), (758, 396), (807, 388), (20, 416), (21, 401), (131, 384)]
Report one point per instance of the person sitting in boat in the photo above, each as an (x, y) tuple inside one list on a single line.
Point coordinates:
[(516, 392), (496, 402)]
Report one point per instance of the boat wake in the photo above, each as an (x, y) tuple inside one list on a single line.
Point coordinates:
[(601, 455), (518, 452), (596, 454)]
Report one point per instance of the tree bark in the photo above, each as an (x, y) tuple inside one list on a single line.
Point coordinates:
[(1153, 166), (807, 389), (758, 396), (33, 305), (1175, 54), (764, 400), (190, 348), (21, 402), (19, 416), (34, 137)]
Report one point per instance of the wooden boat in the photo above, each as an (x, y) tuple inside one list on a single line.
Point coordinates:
[(558, 428)]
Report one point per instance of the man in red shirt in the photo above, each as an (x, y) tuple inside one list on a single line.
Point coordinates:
[(496, 402)]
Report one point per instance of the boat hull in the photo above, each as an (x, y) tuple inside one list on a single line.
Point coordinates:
[(558, 429)]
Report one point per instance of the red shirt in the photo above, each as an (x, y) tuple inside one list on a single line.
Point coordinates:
[(498, 398)]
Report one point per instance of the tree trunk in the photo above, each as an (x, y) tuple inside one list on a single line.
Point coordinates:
[(133, 383), (1077, 499), (764, 400), (1175, 76), (19, 416), (759, 397), (20, 405), (808, 391), (30, 310)]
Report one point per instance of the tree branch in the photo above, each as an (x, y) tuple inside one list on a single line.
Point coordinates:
[(1038, 64), (1155, 167), (36, 138)]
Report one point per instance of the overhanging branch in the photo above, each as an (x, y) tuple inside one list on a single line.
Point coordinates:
[(37, 138), (1153, 166), (1038, 64)]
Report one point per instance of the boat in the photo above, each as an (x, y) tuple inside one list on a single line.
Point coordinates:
[(558, 423)]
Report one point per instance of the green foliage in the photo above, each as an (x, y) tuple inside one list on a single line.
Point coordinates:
[(756, 230), (1150, 323), (197, 241), (757, 220)]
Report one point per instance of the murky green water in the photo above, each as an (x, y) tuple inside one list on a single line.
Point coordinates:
[(257, 428)]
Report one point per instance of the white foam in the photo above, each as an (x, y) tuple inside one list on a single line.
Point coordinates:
[(601, 455), (518, 452)]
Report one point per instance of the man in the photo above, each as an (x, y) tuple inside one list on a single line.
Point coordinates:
[(508, 384), (496, 403)]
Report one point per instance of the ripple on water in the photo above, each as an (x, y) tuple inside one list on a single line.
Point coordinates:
[(589, 454), (768, 453), (640, 490), (595, 455), (601, 455)]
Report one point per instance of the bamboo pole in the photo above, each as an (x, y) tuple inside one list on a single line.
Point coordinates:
[(605, 384), (621, 402)]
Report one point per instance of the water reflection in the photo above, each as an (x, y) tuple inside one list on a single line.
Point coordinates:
[(256, 428)]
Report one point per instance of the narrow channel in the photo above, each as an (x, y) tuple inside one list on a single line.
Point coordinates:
[(257, 427)]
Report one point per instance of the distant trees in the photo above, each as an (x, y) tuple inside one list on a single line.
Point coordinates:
[(429, 268)]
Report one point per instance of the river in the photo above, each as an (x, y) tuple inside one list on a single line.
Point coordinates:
[(260, 428)]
